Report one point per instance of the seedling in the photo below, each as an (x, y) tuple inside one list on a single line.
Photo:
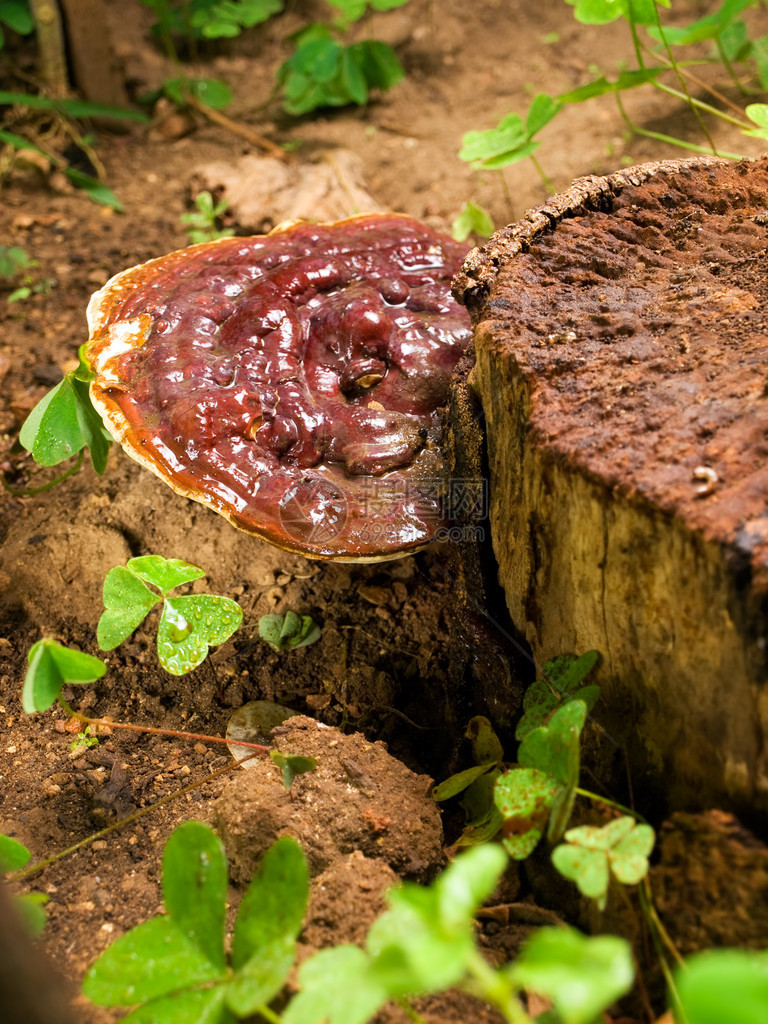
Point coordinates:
[(14, 855), (323, 72), (473, 220), (14, 264), (426, 942), (189, 624), (83, 741), (292, 765), (51, 667), (523, 799), (590, 855), (289, 631), (207, 19), (515, 137), (175, 966), (201, 223)]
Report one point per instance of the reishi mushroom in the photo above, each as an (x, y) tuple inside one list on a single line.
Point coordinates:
[(293, 382)]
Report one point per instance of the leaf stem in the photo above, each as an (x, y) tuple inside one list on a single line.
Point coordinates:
[(269, 1014), (497, 989), (153, 730), (28, 492), (543, 175), (610, 803)]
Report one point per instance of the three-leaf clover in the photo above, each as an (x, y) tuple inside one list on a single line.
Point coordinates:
[(189, 624), (590, 855), (175, 966)]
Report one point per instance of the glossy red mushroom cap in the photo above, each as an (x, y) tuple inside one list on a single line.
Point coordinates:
[(293, 382)]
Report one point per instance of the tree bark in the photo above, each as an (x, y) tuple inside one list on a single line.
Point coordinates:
[(622, 344)]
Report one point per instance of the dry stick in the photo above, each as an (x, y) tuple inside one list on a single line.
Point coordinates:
[(26, 872), (238, 129)]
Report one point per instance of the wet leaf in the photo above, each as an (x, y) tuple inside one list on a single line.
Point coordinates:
[(268, 922), (195, 887), (164, 573), (190, 625)]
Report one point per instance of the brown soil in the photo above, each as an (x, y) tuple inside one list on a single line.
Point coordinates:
[(391, 659)]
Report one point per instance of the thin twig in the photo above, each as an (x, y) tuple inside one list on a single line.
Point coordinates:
[(238, 129)]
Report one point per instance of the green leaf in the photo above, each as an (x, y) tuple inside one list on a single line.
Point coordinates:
[(51, 667), (481, 831), (582, 975), (191, 624), (13, 854), (758, 114), (459, 782), (466, 884), (562, 677), (524, 797), (380, 64), (709, 27), (292, 765), (195, 887), (425, 941), (127, 601), (486, 745), (336, 988), (92, 430), (629, 857), (724, 985), (17, 16), (268, 922), (152, 960), (289, 631), (31, 909), (164, 573), (601, 86), (472, 219), (52, 431), (211, 91), (542, 110), (550, 747), (200, 1006), (94, 189), (505, 138), (587, 868)]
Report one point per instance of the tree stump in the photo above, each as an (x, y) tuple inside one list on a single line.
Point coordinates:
[(621, 334)]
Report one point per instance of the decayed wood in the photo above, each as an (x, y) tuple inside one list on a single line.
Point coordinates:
[(622, 365)]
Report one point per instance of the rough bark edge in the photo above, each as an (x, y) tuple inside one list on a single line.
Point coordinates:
[(473, 283)]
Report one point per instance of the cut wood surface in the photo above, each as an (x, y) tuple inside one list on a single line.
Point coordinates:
[(622, 367)]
